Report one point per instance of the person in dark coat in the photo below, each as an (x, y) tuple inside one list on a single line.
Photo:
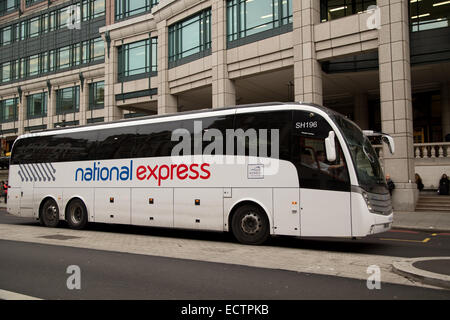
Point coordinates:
[(419, 182), (390, 184), (443, 185)]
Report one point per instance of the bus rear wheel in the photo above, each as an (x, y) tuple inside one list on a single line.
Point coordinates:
[(250, 225), (76, 214), (49, 216)]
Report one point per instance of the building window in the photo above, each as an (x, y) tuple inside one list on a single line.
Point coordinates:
[(34, 27), (53, 60), (96, 95), (37, 105), (426, 15), (245, 17), (92, 9), (6, 35), (138, 58), (6, 72), (30, 2), (68, 100), (334, 9), (127, 8), (8, 110), (190, 36), (7, 6)]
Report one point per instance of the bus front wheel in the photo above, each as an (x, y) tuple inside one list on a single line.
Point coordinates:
[(50, 214), (76, 214), (250, 225)]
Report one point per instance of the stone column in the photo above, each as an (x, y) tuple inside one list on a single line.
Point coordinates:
[(51, 108), (22, 110), (84, 102), (445, 109), (307, 70), (223, 89), (361, 110), (112, 112), (167, 103), (395, 96)]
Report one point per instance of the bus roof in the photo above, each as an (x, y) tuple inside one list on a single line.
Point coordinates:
[(94, 126)]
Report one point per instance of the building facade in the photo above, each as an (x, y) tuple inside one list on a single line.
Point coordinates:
[(383, 63)]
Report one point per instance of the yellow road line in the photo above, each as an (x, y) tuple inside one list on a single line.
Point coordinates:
[(405, 240)]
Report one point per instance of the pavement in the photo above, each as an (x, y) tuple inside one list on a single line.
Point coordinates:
[(428, 271)]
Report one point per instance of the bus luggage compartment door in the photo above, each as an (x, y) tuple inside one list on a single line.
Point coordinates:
[(112, 205), (286, 214), (198, 208), (152, 207)]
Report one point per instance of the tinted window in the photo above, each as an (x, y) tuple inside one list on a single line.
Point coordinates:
[(116, 143), (219, 123), (270, 121), (309, 157), (154, 140)]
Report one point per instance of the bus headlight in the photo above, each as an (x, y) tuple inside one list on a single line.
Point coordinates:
[(366, 198)]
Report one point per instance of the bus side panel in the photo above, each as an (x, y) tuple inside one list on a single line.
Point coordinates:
[(325, 213), (198, 208), (260, 196), (85, 194), (112, 205), (42, 193), (152, 207), (14, 201), (362, 220), (286, 211)]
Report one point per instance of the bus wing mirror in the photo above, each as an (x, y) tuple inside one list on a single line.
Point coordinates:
[(385, 138), (330, 147), (390, 142)]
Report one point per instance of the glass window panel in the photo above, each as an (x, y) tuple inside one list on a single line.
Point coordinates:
[(99, 8), (64, 57), (98, 49), (33, 65), (34, 27), (137, 6), (6, 72), (7, 35)]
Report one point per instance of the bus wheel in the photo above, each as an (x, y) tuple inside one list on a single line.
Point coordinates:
[(50, 214), (76, 214), (250, 225)]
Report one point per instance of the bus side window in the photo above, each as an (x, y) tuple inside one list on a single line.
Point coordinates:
[(309, 156)]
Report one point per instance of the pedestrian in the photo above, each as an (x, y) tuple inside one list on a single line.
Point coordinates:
[(419, 182), (2, 190), (390, 184), (5, 191), (443, 185)]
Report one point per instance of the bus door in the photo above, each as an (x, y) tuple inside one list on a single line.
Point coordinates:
[(26, 191), (324, 186)]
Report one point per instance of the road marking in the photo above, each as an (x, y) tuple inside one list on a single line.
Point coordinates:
[(406, 240), (403, 231), (9, 295)]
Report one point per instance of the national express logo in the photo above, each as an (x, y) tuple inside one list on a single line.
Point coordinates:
[(157, 173)]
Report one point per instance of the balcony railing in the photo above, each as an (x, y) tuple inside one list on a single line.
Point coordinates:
[(424, 150)]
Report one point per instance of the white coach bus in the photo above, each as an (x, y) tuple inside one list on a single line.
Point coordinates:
[(321, 178)]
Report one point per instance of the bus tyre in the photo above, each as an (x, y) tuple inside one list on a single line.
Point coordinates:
[(76, 214), (50, 214), (250, 225)]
